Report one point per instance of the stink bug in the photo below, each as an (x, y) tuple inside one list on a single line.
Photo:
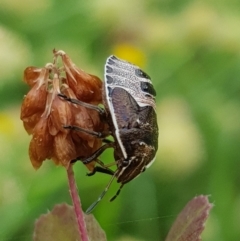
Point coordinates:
[(130, 111)]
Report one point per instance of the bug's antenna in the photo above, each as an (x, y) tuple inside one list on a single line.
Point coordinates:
[(89, 210), (119, 190), (82, 103)]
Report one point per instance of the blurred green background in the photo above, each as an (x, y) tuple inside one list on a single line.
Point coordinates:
[(191, 49)]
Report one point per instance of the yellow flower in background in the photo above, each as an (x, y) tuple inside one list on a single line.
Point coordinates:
[(10, 135), (7, 124), (130, 53)]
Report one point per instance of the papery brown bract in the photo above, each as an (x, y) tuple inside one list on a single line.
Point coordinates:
[(85, 86), (30, 122), (41, 145), (34, 102), (95, 145), (86, 148), (33, 75), (63, 149), (61, 114), (84, 117)]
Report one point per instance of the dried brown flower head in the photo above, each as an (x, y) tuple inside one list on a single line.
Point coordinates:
[(44, 113)]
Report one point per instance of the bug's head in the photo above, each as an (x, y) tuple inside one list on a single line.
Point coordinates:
[(133, 166)]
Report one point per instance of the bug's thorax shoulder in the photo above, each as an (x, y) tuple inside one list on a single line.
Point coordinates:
[(122, 74)]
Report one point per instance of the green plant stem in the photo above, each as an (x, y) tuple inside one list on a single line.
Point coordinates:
[(77, 204)]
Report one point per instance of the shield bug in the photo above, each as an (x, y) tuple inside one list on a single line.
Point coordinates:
[(130, 111)]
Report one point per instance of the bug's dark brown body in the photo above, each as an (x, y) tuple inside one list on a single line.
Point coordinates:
[(129, 99)]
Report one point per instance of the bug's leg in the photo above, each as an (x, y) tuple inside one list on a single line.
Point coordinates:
[(106, 140), (93, 133), (103, 168), (75, 160), (100, 169), (118, 192), (79, 102), (97, 153)]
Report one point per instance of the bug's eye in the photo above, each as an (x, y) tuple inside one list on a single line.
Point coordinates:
[(148, 88), (142, 74)]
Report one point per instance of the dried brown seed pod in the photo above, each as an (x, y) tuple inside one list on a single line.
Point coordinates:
[(44, 113)]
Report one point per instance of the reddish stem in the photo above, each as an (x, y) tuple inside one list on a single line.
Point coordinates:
[(77, 204)]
